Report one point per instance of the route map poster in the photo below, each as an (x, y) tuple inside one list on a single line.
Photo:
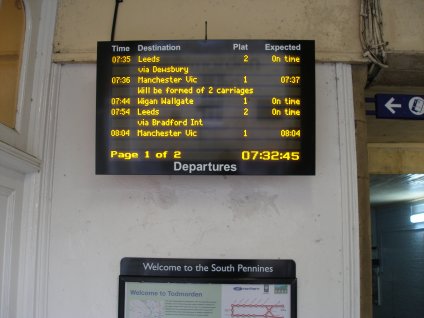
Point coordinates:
[(209, 288), (186, 300)]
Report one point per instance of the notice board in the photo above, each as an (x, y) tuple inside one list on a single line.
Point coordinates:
[(191, 107), (184, 288)]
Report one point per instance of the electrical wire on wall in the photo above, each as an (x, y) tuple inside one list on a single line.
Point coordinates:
[(373, 44), (115, 15)]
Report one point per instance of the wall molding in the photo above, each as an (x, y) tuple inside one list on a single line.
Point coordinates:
[(42, 72), (46, 189), (41, 141), (23, 82), (17, 160), (349, 192), (7, 252)]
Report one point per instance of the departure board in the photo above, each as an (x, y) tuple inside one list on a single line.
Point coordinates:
[(213, 107)]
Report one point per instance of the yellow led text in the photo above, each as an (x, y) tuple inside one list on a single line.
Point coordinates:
[(114, 154)]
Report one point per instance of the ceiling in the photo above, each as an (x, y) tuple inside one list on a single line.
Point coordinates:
[(392, 188)]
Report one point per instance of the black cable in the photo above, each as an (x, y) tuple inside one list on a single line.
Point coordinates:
[(112, 36)]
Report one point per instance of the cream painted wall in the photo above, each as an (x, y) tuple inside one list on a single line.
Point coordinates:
[(333, 24), (12, 26), (12, 31), (97, 220), (403, 25)]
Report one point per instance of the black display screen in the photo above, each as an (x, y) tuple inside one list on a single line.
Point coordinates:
[(242, 107)]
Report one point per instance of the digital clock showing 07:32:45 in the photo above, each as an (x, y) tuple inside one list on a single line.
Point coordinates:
[(270, 155)]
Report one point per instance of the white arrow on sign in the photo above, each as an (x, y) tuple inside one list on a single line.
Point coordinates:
[(389, 105)]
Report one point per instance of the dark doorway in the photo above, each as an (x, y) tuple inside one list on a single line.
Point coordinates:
[(398, 246)]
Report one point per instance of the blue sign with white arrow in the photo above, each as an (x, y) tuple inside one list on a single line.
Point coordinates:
[(399, 106)]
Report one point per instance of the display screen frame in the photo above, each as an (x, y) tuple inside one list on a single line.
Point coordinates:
[(240, 272), (268, 158)]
